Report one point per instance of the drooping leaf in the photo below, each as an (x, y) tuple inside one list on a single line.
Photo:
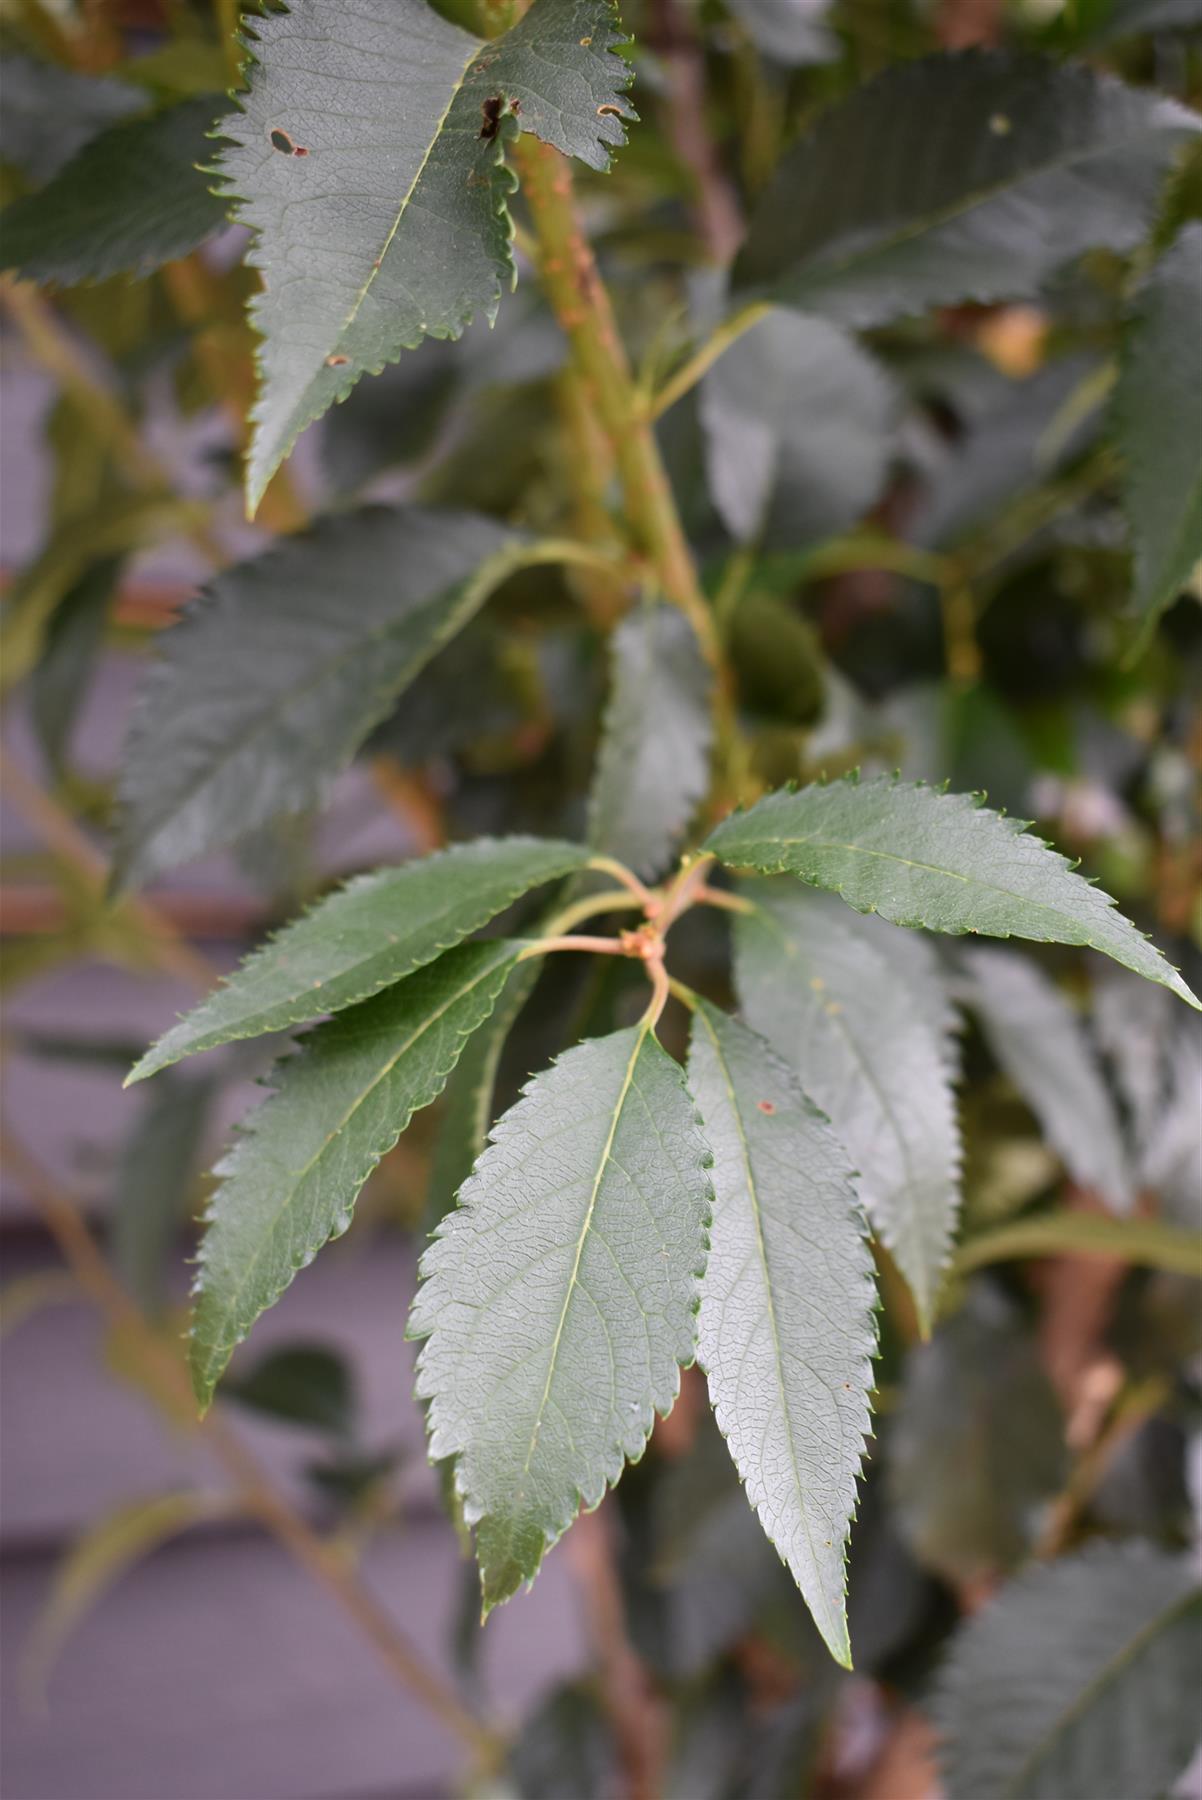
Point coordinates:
[(653, 763), (364, 937), (957, 177), (1158, 425), (1081, 1678), (50, 112), (918, 856), (797, 420), (60, 677), (369, 160), (845, 1019), (786, 1329), (559, 1298), (276, 674), (341, 1102), (976, 1443), (129, 201), (154, 1185), (1040, 1044), (301, 1384)]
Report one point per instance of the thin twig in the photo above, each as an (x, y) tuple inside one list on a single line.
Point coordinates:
[(318, 1557)]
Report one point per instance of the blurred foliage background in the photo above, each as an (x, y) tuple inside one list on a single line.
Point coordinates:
[(940, 589)]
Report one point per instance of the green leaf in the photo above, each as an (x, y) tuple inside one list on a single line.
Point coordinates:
[(129, 201), (364, 937), (1080, 1679), (341, 1102), (798, 422), (1039, 1042), (74, 635), (468, 1106), (50, 112), (275, 675), (365, 162), (301, 1384), (560, 1296), (957, 177), (154, 1188), (918, 856), (1158, 426), (786, 1328), (976, 1443), (653, 764), (846, 1020)]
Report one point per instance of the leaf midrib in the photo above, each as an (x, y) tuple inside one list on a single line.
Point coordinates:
[(761, 1248), (378, 263), (603, 1163), (1099, 1681)]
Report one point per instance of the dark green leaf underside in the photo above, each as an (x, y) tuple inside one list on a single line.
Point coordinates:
[(275, 675), (958, 177), (1158, 426)]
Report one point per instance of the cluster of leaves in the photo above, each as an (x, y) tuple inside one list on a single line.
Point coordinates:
[(645, 1201)]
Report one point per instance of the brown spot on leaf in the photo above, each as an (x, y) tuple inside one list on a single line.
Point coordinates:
[(766, 1106), (286, 145), (615, 110), (492, 110), (336, 362)]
